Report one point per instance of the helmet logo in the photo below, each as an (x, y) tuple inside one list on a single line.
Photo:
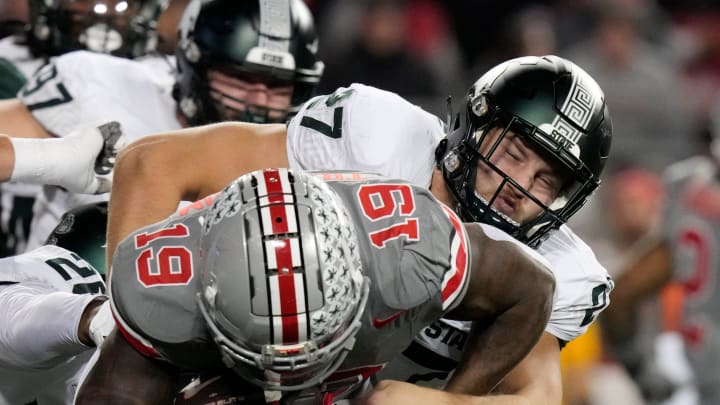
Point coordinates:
[(578, 108), (272, 59), (269, 57), (66, 224), (560, 137)]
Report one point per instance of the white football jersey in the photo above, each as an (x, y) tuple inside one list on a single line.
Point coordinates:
[(91, 88), (367, 129), (45, 270)]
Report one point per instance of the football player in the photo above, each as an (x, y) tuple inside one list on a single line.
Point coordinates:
[(234, 63), (51, 300), (53, 311), (120, 27), (526, 154), (299, 284), (684, 250)]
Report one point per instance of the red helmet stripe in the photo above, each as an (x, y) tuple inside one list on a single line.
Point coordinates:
[(275, 191), (454, 279), (287, 292), (288, 308)]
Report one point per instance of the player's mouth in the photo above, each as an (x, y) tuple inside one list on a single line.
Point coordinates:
[(506, 205), (503, 206)]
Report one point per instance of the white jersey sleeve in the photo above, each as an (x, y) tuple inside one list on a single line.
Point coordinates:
[(90, 88), (366, 129), (53, 268), (582, 284), (43, 294)]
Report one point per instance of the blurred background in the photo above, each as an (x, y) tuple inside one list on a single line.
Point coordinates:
[(658, 62)]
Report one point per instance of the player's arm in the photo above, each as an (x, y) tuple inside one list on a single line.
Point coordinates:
[(391, 392), (644, 275), (536, 380), (155, 173), (80, 162), (41, 328), (124, 376), (509, 298), (16, 119), (522, 386)]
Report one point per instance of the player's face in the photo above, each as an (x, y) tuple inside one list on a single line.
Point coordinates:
[(518, 160), (239, 94)]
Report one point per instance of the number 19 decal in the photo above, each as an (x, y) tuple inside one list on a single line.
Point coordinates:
[(169, 265), (380, 201)]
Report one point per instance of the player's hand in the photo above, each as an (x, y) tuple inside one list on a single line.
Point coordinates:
[(95, 151)]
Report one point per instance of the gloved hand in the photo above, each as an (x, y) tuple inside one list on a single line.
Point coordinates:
[(97, 148)]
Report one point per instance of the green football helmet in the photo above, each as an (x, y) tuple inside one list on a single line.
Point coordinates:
[(267, 41), (82, 231)]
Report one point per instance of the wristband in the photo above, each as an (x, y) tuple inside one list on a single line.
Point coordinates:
[(38, 160)]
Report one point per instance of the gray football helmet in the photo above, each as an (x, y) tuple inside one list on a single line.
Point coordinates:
[(282, 287)]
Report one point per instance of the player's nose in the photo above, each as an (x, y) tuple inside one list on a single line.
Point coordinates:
[(258, 95)]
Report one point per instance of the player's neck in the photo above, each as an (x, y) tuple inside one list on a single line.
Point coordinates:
[(181, 118), (439, 189)]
